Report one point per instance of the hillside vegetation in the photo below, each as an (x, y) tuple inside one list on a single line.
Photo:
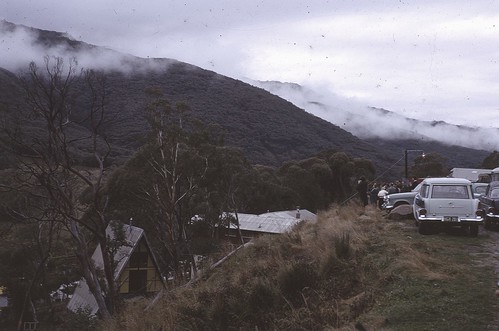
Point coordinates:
[(268, 129), (351, 270)]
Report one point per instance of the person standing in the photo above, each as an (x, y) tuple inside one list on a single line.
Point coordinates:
[(373, 194), (362, 190), (381, 196)]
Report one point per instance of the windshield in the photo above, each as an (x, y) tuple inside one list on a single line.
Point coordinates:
[(416, 189)]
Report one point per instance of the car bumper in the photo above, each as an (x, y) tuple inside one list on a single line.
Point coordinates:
[(453, 221), (387, 207), (492, 219)]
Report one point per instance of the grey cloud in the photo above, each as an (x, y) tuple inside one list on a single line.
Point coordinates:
[(367, 122), (412, 57)]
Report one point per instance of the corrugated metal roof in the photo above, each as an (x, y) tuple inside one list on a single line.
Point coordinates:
[(275, 222), (304, 214), (82, 297)]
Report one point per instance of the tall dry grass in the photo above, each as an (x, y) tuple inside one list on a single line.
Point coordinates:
[(321, 275)]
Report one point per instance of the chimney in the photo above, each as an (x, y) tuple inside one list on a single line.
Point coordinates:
[(298, 212)]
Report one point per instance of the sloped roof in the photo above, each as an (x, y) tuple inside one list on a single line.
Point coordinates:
[(304, 214), (82, 297), (274, 222)]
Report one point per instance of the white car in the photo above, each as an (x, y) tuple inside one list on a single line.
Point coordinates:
[(394, 200), (446, 202)]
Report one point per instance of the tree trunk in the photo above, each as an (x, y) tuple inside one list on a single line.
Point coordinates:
[(89, 271)]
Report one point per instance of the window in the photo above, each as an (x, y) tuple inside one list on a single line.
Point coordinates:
[(424, 191), (450, 192), (494, 193), (481, 189)]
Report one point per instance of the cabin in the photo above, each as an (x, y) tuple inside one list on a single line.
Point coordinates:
[(136, 274), (252, 226)]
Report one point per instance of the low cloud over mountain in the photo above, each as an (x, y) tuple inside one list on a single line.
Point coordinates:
[(369, 122), (267, 128), (21, 45)]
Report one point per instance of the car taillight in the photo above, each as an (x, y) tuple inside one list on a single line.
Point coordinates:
[(491, 210), (422, 212), (480, 212)]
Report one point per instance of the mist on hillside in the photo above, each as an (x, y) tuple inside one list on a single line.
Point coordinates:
[(22, 45), (369, 122)]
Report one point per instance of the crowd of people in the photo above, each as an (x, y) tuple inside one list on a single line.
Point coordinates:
[(375, 194)]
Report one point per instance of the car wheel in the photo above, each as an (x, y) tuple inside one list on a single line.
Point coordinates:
[(474, 230), (399, 204), (424, 228)]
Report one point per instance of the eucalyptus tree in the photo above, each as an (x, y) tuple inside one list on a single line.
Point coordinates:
[(429, 165), (308, 180), (172, 170), (491, 161), (48, 170), (227, 187)]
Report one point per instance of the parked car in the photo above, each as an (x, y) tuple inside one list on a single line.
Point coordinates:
[(489, 204), (397, 199), (479, 189), (407, 198), (442, 203)]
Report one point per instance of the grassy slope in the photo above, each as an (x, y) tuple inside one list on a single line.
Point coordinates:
[(349, 270)]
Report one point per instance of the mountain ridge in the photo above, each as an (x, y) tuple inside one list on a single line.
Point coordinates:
[(268, 128)]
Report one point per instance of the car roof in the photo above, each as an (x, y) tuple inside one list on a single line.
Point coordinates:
[(446, 180)]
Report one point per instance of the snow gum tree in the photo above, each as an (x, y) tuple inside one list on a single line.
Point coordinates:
[(48, 170), (177, 168)]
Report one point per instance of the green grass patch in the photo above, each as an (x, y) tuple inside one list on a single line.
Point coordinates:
[(456, 293)]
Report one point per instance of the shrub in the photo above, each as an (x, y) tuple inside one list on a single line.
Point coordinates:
[(342, 246), (82, 320), (293, 278)]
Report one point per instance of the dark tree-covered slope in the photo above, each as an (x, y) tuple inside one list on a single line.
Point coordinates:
[(269, 129)]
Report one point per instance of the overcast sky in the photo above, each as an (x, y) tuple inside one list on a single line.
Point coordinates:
[(435, 60)]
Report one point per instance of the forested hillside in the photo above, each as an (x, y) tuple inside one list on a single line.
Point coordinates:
[(153, 142), (267, 128)]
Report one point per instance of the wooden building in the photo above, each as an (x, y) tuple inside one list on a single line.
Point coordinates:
[(136, 273)]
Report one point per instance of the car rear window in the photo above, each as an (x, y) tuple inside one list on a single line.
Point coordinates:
[(494, 193), (450, 192)]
